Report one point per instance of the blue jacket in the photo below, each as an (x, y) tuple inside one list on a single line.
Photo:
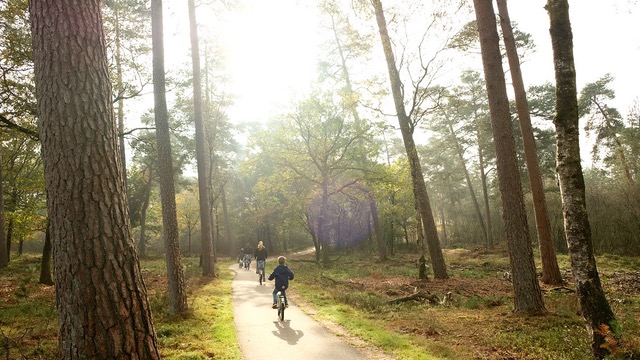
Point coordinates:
[(282, 274)]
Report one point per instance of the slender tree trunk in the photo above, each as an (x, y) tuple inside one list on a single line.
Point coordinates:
[(594, 304), (550, 269), (119, 91), (175, 275), (45, 263), (101, 299), (382, 249), (528, 296), (485, 193), (208, 264), (419, 187), (227, 222), (142, 242), (467, 177), (4, 250)]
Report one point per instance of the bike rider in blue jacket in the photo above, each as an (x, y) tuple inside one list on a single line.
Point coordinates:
[(282, 274)]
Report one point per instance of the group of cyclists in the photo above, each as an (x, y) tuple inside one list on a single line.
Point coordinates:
[(281, 274)]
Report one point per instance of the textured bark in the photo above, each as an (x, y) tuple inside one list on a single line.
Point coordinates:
[(208, 264), (175, 275), (594, 305), (419, 187), (550, 269), (100, 295), (528, 296)]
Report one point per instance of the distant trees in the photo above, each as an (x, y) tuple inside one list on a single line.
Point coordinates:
[(102, 303)]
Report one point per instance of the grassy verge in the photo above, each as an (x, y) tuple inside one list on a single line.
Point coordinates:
[(29, 324)]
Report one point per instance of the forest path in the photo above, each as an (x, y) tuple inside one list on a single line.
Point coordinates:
[(262, 336)]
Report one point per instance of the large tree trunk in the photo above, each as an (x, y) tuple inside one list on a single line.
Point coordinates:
[(208, 263), (594, 304), (175, 275), (120, 92), (550, 269), (101, 299), (419, 187), (528, 296)]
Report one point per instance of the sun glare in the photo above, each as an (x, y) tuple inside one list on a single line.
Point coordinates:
[(271, 52)]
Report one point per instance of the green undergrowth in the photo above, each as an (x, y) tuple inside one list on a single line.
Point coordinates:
[(475, 321), (29, 323)]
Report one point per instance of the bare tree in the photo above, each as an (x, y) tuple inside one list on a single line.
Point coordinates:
[(101, 299), (419, 187)]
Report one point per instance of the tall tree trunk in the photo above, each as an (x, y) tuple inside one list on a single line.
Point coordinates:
[(101, 299), (4, 250), (528, 296), (175, 275), (594, 304), (45, 263), (208, 264), (550, 269), (419, 186)]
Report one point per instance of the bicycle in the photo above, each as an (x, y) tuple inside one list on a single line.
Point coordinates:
[(260, 265), (247, 262), (280, 304)]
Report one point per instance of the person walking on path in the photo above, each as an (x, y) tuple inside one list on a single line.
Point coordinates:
[(282, 274)]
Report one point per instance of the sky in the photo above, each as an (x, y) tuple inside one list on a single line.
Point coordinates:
[(272, 49)]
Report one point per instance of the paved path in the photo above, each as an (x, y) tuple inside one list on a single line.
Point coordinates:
[(262, 336)]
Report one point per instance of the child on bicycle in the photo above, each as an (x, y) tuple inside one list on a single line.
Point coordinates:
[(282, 274), (260, 254)]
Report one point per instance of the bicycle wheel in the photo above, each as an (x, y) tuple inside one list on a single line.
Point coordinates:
[(281, 308)]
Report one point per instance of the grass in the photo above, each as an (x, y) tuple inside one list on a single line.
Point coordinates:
[(352, 297), (478, 322), (28, 320)]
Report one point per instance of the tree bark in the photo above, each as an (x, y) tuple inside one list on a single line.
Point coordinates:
[(528, 296), (208, 263), (175, 276), (142, 242), (594, 305), (550, 269), (419, 186), (101, 299)]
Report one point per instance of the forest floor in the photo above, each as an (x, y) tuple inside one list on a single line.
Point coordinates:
[(467, 316)]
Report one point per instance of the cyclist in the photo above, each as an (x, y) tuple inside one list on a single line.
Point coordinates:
[(282, 274), (248, 251), (260, 254)]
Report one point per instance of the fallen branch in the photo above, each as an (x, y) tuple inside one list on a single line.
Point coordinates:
[(418, 296)]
